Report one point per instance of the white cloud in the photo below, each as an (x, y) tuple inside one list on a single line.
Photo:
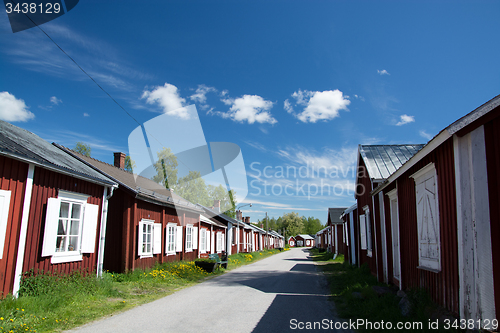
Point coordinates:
[(405, 119), (13, 109), (200, 95), (319, 105), (54, 100), (383, 72), (425, 135), (85, 114), (167, 96), (250, 108), (288, 106)]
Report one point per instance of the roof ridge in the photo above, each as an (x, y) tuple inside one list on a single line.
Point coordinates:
[(95, 159)]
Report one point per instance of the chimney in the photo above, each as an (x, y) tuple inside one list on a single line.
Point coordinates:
[(119, 160), (247, 219), (239, 215), (217, 205)]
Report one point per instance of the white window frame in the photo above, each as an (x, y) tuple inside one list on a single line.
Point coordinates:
[(170, 238), (425, 182), (219, 242), (87, 229), (369, 245), (4, 217), (362, 231), (396, 262), (203, 240), (189, 238), (155, 242)]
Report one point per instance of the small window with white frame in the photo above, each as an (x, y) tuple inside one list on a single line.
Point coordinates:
[(170, 238), (203, 240), (189, 238), (70, 227), (149, 238)]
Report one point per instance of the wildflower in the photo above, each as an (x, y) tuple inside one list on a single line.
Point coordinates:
[(1, 318)]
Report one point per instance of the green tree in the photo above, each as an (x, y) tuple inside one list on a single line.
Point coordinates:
[(193, 188), (83, 148), (293, 224), (311, 225), (129, 164), (166, 168)]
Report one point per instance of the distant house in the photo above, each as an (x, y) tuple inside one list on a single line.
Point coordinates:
[(335, 230), (375, 164), (52, 209), (442, 210), (304, 240), (147, 224), (212, 236), (291, 241), (352, 244)]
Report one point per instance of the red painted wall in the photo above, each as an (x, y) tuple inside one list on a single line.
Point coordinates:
[(13, 176)]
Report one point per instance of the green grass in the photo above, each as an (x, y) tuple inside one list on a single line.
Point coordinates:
[(53, 303), (354, 297)]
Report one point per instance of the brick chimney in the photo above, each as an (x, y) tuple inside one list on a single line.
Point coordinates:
[(119, 160), (247, 219), (217, 205)]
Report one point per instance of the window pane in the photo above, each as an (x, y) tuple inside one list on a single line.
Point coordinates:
[(61, 229), (75, 226), (75, 212), (60, 244), (63, 212), (73, 243)]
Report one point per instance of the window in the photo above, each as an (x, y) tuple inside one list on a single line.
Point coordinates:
[(368, 229), (170, 238), (362, 231), (149, 238), (70, 227), (426, 190), (203, 240), (189, 238), (4, 217), (219, 242), (234, 235)]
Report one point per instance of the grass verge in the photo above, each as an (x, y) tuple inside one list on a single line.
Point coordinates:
[(54, 302), (352, 290)]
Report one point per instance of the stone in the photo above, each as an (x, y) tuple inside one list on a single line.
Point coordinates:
[(405, 306)]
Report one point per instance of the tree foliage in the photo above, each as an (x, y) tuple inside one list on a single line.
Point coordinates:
[(192, 187), (293, 223), (129, 164), (311, 225), (83, 148), (166, 168)]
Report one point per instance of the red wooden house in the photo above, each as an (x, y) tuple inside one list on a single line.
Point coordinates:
[(335, 230), (304, 240), (52, 212), (443, 205), (375, 164), (212, 236), (147, 224), (291, 241)]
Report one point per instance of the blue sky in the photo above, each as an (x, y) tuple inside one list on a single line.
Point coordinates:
[(296, 84)]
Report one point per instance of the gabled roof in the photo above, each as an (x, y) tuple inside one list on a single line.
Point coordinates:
[(205, 219), (144, 189), (334, 215), (348, 210), (321, 231), (23, 145), (383, 160), (304, 236), (221, 217), (445, 134)]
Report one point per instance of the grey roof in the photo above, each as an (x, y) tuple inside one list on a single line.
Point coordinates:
[(23, 145), (305, 236), (383, 160), (144, 188), (334, 215)]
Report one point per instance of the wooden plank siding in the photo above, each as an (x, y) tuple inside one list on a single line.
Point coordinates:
[(46, 184), (388, 235), (492, 142), (124, 214), (13, 178), (364, 187), (442, 286)]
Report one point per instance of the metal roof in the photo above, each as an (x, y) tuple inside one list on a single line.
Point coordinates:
[(334, 215), (304, 236), (383, 160), (23, 145)]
